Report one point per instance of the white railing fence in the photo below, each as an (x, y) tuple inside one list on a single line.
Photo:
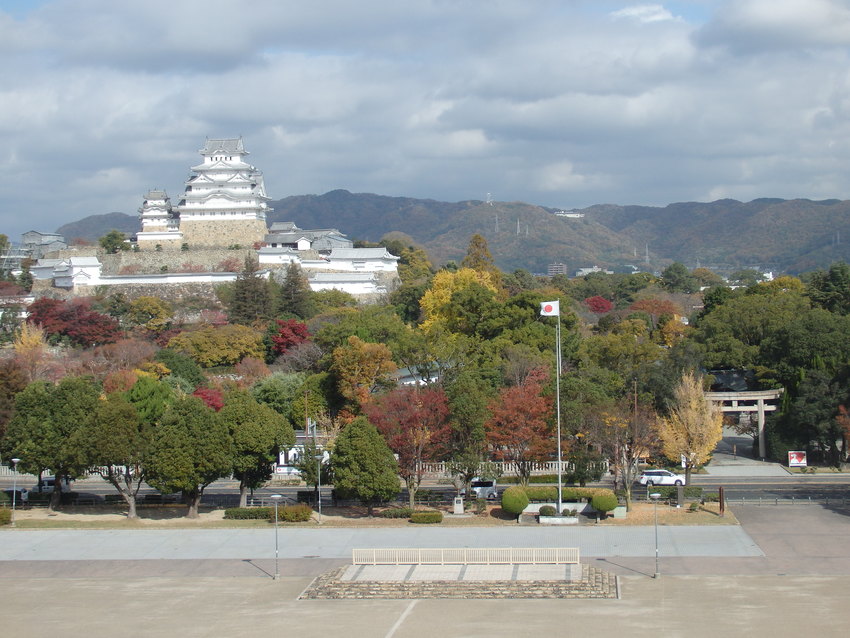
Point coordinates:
[(467, 556), (506, 468)]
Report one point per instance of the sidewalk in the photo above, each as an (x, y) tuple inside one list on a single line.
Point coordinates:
[(244, 544)]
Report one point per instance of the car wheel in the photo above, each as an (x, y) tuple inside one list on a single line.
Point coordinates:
[(649, 483), (678, 483)]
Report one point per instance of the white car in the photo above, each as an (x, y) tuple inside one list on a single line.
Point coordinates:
[(661, 477)]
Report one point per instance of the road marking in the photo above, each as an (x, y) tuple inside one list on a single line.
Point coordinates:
[(401, 618)]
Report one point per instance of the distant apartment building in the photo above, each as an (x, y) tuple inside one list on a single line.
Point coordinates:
[(556, 269)]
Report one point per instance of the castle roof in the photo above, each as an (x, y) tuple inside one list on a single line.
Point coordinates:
[(232, 145)]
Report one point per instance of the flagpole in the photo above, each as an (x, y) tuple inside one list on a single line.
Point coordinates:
[(558, 406)]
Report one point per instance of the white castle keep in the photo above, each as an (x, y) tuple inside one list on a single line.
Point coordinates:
[(224, 204)]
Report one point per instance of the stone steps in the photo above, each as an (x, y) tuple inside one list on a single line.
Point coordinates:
[(595, 583)]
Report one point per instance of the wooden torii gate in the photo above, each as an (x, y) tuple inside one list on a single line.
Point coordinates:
[(753, 401)]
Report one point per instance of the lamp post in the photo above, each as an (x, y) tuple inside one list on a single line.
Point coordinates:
[(14, 486), (655, 496), (276, 498), (319, 458)]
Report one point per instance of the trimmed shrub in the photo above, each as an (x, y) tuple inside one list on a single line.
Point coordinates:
[(711, 497), (514, 500), (426, 516), (397, 512), (5, 516), (547, 510), (245, 513), (604, 502), (694, 507), (295, 513), (567, 512)]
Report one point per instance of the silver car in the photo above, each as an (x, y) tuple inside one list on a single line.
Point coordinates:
[(661, 477)]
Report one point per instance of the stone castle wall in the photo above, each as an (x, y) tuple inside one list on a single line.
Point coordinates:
[(222, 232), (201, 260)]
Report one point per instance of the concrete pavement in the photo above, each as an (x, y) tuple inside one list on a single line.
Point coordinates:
[(797, 580)]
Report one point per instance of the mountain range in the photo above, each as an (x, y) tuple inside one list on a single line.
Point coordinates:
[(790, 236)]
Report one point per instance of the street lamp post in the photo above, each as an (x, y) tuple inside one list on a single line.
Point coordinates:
[(276, 498), (14, 486), (319, 458), (655, 496)]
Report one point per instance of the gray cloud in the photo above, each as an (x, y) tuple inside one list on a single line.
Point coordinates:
[(557, 103)]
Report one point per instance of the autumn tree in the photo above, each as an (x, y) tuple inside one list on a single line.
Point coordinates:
[(598, 305), (414, 423), (692, 427), (363, 465), (75, 320), (191, 448), (518, 431), (30, 345), (152, 313), (256, 432), (284, 334), (219, 346), (439, 303), (625, 433), (361, 368)]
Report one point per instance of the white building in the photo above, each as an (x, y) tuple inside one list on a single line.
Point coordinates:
[(224, 203)]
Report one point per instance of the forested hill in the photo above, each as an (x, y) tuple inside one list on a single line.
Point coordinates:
[(783, 235), (786, 235)]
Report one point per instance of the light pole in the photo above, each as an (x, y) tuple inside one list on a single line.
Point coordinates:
[(319, 458), (655, 496), (14, 486), (276, 498)]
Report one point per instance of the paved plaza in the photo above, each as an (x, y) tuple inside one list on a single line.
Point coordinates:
[(785, 569)]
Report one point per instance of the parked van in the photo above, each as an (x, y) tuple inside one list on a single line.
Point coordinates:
[(483, 488), (47, 484)]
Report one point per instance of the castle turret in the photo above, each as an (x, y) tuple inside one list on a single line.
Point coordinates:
[(159, 226)]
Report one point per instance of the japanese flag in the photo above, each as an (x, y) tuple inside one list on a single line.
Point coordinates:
[(549, 309)]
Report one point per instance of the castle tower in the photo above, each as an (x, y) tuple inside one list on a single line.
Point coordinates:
[(225, 199), (159, 227)]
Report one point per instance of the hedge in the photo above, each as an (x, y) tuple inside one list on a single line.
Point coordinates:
[(243, 513), (5, 516), (568, 494), (691, 491), (396, 512), (426, 516)]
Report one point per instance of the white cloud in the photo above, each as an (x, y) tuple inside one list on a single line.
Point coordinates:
[(645, 13), (559, 104)]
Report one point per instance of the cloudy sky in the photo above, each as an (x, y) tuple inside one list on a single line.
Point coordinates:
[(563, 103)]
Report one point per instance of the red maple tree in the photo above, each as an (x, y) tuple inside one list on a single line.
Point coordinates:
[(74, 319), (415, 423), (213, 398), (518, 429), (290, 332), (598, 305)]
